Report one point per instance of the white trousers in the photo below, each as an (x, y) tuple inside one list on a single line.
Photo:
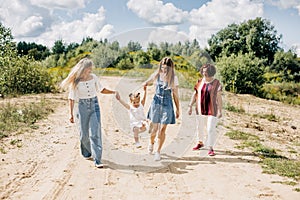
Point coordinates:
[(206, 124)]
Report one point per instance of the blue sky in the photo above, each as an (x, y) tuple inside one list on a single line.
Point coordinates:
[(45, 21)]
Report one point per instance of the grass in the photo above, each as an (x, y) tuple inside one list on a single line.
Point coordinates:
[(14, 117), (282, 167), (272, 163), (232, 108), (271, 117), (291, 183), (239, 135)]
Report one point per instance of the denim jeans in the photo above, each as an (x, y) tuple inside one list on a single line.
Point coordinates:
[(90, 128)]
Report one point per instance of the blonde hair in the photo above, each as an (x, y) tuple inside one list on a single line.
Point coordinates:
[(76, 72), (170, 71)]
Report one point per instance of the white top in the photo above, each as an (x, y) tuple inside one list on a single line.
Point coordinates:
[(137, 116), (86, 89)]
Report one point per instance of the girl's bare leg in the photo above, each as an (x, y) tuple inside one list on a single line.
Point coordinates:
[(153, 133), (136, 134), (161, 136), (152, 137)]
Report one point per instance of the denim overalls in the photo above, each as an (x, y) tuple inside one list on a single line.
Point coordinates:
[(161, 110)]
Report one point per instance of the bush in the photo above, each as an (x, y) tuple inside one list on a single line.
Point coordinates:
[(19, 75), (288, 92), (242, 74)]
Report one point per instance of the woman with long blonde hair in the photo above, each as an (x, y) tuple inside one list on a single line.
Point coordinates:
[(161, 112), (83, 87)]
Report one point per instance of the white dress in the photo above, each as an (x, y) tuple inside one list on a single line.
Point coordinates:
[(137, 116)]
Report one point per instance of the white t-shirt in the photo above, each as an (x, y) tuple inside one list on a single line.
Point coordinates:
[(86, 89), (137, 116)]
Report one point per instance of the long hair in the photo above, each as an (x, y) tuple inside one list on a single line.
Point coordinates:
[(170, 71), (76, 72)]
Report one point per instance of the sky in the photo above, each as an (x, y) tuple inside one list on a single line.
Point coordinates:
[(144, 21)]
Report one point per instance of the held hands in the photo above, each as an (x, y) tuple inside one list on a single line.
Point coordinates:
[(145, 84)]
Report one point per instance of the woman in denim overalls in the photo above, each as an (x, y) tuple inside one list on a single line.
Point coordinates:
[(161, 112), (83, 87)]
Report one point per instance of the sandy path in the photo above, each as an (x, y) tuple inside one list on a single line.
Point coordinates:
[(49, 165)]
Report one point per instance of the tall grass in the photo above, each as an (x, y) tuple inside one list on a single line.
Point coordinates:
[(15, 116)]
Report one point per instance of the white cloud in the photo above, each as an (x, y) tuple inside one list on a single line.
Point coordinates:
[(91, 25), (284, 4), (36, 24), (31, 25), (155, 12), (59, 4), (23, 19), (167, 34), (147, 35), (217, 14)]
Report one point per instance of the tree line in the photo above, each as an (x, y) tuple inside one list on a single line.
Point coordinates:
[(248, 57)]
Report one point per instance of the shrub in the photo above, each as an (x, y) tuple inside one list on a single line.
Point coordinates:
[(288, 92), (19, 75), (242, 74)]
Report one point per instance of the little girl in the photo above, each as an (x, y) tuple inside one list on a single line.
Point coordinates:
[(137, 116)]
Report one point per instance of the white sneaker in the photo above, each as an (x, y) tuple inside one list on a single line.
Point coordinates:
[(138, 145), (157, 156), (150, 148), (89, 158), (99, 165)]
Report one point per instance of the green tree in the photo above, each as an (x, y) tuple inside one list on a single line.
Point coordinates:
[(142, 59), (72, 46), (36, 51), (242, 73), (58, 47), (286, 65), (125, 63), (164, 49), (154, 51), (21, 75), (256, 36), (7, 46), (115, 46), (134, 46), (103, 56)]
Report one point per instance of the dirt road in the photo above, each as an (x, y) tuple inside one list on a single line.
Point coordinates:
[(49, 164)]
